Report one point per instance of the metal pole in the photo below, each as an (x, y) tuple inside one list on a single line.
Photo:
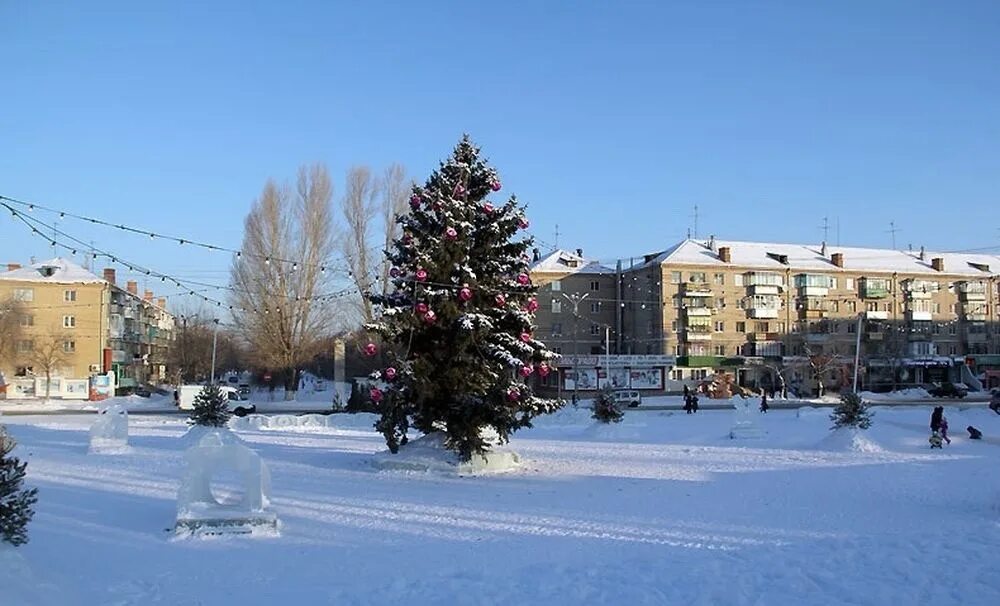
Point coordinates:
[(215, 339), (607, 352), (857, 351), (575, 300)]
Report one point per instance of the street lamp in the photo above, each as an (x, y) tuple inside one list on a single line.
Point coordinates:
[(575, 299), (215, 339), (857, 351)]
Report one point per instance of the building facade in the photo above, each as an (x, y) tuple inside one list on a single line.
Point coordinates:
[(73, 325), (761, 310)]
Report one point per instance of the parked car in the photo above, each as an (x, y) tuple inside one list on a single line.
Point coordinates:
[(948, 390), (630, 399)]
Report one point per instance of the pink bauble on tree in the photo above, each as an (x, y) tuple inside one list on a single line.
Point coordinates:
[(488, 208), (422, 308), (531, 305), (371, 349), (394, 272), (451, 233), (513, 394), (526, 370), (543, 370), (526, 337), (390, 373), (375, 394), (415, 201), (500, 300), (523, 279), (459, 191), (430, 316), (421, 275), (465, 293), (495, 186), (523, 223)]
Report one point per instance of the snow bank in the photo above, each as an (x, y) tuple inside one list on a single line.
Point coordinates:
[(612, 431), (565, 416), (849, 440), (308, 422), (912, 393), (428, 454)]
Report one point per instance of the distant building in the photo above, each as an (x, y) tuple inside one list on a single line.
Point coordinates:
[(79, 325)]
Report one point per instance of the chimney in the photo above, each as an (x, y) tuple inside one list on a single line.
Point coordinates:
[(147, 296), (837, 259), (937, 263), (109, 275), (536, 255), (13, 266), (921, 253), (133, 287), (162, 302), (579, 252), (724, 254), (822, 250)]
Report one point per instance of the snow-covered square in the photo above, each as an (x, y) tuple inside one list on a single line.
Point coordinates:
[(667, 509)]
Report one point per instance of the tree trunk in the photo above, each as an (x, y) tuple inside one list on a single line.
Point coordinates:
[(291, 384)]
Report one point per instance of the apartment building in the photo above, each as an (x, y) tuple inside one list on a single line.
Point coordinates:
[(715, 304), (73, 325)]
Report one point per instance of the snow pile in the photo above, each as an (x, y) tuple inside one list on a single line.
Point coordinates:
[(428, 454), (849, 440), (911, 393), (810, 412), (307, 422), (195, 433), (567, 416)]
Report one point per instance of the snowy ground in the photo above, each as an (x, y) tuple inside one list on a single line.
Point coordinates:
[(663, 509)]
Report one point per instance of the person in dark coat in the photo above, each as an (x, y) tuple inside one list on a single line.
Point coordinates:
[(936, 417), (687, 402), (763, 402), (694, 403)]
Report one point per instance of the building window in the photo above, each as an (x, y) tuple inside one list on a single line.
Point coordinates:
[(781, 327), (673, 326), (675, 277), (952, 349), (852, 306), (836, 306), (936, 329), (24, 294), (738, 280), (596, 329), (69, 321), (595, 307), (27, 320), (25, 346), (871, 306), (69, 296), (720, 303), (741, 327), (887, 306), (556, 306), (677, 302), (720, 350), (697, 277), (952, 329), (678, 351), (595, 285), (720, 327), (849, 283), (557, 329), (761, 327), (555, 286), (719, 279), (69, 346)]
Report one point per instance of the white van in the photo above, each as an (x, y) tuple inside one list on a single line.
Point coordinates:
[(187, 393), (630, 398)]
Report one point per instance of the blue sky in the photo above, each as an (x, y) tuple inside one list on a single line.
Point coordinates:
[(611, 120)]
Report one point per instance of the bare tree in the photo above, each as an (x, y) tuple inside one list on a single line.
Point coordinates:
[(281, 272), (10, 329), (820, 365), (365, 198), (48, 355), (190, 354), (360, 205)]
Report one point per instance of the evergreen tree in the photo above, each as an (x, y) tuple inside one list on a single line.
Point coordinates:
[(851, 412), (211, 407), (459, 320), (606, 409), (15, 502)]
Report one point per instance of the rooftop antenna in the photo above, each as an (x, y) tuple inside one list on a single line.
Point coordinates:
[(825, 227), (892, 230), (557, 237), (695, 215)]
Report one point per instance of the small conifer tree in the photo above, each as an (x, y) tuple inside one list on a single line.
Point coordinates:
[(211, 407), (851, 412), (15, 501), (606, 409)]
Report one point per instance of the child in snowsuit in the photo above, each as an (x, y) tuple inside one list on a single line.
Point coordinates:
[(944, 430)]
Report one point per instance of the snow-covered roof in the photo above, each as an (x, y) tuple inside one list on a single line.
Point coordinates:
[(566, 262), (810, 257), (56, 270)]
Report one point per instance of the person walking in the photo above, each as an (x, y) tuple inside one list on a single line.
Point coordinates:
[(763, 403)]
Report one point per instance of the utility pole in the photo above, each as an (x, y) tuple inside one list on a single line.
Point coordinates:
[(215, 340), (857, 351), (575, 299), (892, 230)]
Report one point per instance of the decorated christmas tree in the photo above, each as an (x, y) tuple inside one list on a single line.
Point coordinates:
[(211, 407), (606, 409), (459, 322), (15, 502)]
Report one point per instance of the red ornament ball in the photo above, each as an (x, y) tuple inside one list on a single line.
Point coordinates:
[(513, 394), (390, 373), (430, 316), (465, 293), (375, 394), (371, 349), (500, 300), (495, 186), (523, 224), (421, 275), (523, 279), (422, 308), (451, 233), (459, 191), (543, 369), (526, 370), (394, 272), (532, 305), (415, 201), (526, 336), (488, 208)]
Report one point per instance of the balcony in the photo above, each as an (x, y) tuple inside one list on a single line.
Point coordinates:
[(763, 336), (764, 289), (876, 315), (699, 312), (874, 288), (918, 295), (972, 291), (817, 337), (975, 337), (697, 336), (914, 315), (696, 289), (974, 316), (813, 291), (763, 312), (874, 336)]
